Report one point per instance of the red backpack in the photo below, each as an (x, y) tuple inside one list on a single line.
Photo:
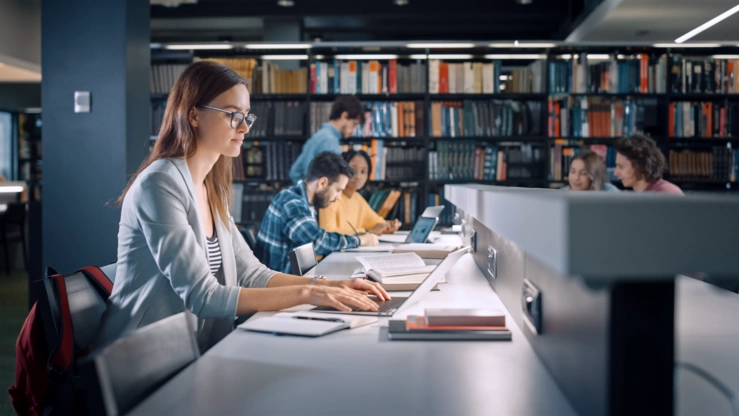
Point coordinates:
[(58, 330)]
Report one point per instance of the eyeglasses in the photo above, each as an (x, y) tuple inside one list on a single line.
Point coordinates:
[(237, 117)]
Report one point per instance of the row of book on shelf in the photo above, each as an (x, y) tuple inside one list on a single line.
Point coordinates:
[(269, 161), (489, 118), (397, 163), (633, 74), (371, 77), (466, 160), (596, 117), (703, 119)]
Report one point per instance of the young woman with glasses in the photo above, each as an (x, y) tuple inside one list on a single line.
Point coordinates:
[(178, 248)]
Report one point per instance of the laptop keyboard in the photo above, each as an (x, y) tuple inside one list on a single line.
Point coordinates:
[(384, 305)]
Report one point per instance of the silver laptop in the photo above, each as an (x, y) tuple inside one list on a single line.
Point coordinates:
[(397, 304)]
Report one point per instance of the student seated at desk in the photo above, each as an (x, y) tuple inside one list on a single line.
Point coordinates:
[(178, 248), (290, 220), (640, 165), (588, 173), (352, 213)]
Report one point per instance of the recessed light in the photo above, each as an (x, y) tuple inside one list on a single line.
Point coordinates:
[(285, 57), (515, 56), (278, 46), (199, 46), (441, 45), (367, 56), (400, 2), (442, 56), (286, 3), (518, 44)]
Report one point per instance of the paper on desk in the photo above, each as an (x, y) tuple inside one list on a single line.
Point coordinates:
[(354, 321), (393, 238), (382, 248)]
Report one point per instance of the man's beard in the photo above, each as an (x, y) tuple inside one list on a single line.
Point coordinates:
[(321, 200)]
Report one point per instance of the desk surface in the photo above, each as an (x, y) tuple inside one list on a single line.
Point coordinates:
[(360, 372)]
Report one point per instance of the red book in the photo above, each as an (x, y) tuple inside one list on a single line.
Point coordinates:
[(418, 323), (671, 120), (722, 121), (443, 78), (392, 82), (313, 78)]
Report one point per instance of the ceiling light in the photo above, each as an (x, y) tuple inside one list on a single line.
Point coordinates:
[(725, 57), (565, 56), (154, 45), (706, 25), (199, 46), (278, 46), (400, 2), (440, 45), (524, 2), (515, 56), (366, 56), (286, 3), (518, 44), (285, 57), (442, 56), (686, 45), (10, 189), (504, 77), (597, 56)]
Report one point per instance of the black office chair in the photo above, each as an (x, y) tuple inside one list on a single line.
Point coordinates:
[(249, 237), (13, 229), (124, 373), (302, 259)]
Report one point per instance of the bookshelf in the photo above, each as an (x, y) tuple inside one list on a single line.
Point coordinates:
[(29, 153), (511, 117)]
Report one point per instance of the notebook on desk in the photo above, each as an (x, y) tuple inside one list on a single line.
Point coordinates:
[(304, 323), (397, 304)]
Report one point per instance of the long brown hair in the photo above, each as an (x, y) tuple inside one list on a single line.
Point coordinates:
[(198, 85), (595, 167)]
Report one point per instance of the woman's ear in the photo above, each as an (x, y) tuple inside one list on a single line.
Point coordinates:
[(192, 117)]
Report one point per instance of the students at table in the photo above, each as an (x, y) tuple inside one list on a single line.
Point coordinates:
[(178, 248), (352, 213), (290, 220), (588, 173), (640, 165)]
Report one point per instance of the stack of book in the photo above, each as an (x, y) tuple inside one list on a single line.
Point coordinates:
[(452, 325)]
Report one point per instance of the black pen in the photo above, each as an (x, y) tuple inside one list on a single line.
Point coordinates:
[(319, 319), (355, 230)]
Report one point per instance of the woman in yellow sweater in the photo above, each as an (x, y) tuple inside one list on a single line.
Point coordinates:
[(352, 210)]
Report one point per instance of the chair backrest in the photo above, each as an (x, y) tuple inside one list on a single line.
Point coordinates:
[(71, 308), (15, 213), (248, 235), (86, 292), (131, 368), (302, 259)]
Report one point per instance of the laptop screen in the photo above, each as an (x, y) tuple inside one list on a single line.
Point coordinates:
[(421, 230)]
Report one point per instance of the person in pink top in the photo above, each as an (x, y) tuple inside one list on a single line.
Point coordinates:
[(640, 165)]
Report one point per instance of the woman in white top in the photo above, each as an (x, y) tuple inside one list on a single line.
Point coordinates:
[(175, 225)]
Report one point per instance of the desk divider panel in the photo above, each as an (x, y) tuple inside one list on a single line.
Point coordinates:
[(608, 341)]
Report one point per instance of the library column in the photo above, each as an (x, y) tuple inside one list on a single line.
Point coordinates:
[(100, 48)]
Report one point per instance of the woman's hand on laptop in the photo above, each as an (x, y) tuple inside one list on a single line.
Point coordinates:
[(338, 298), (371, 288)]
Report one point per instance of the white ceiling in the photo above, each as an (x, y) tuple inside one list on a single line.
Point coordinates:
[(657, 20)]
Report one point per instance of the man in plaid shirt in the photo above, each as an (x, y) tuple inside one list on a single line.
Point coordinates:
[(290, 220)]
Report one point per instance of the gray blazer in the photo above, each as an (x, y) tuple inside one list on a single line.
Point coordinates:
[(162, 266)]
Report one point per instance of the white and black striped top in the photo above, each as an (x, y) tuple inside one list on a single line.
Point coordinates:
[(214, 254)]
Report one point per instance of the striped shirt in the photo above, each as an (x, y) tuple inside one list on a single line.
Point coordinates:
[(214, 254)]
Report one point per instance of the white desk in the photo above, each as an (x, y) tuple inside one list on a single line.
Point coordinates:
[(360, 372)]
